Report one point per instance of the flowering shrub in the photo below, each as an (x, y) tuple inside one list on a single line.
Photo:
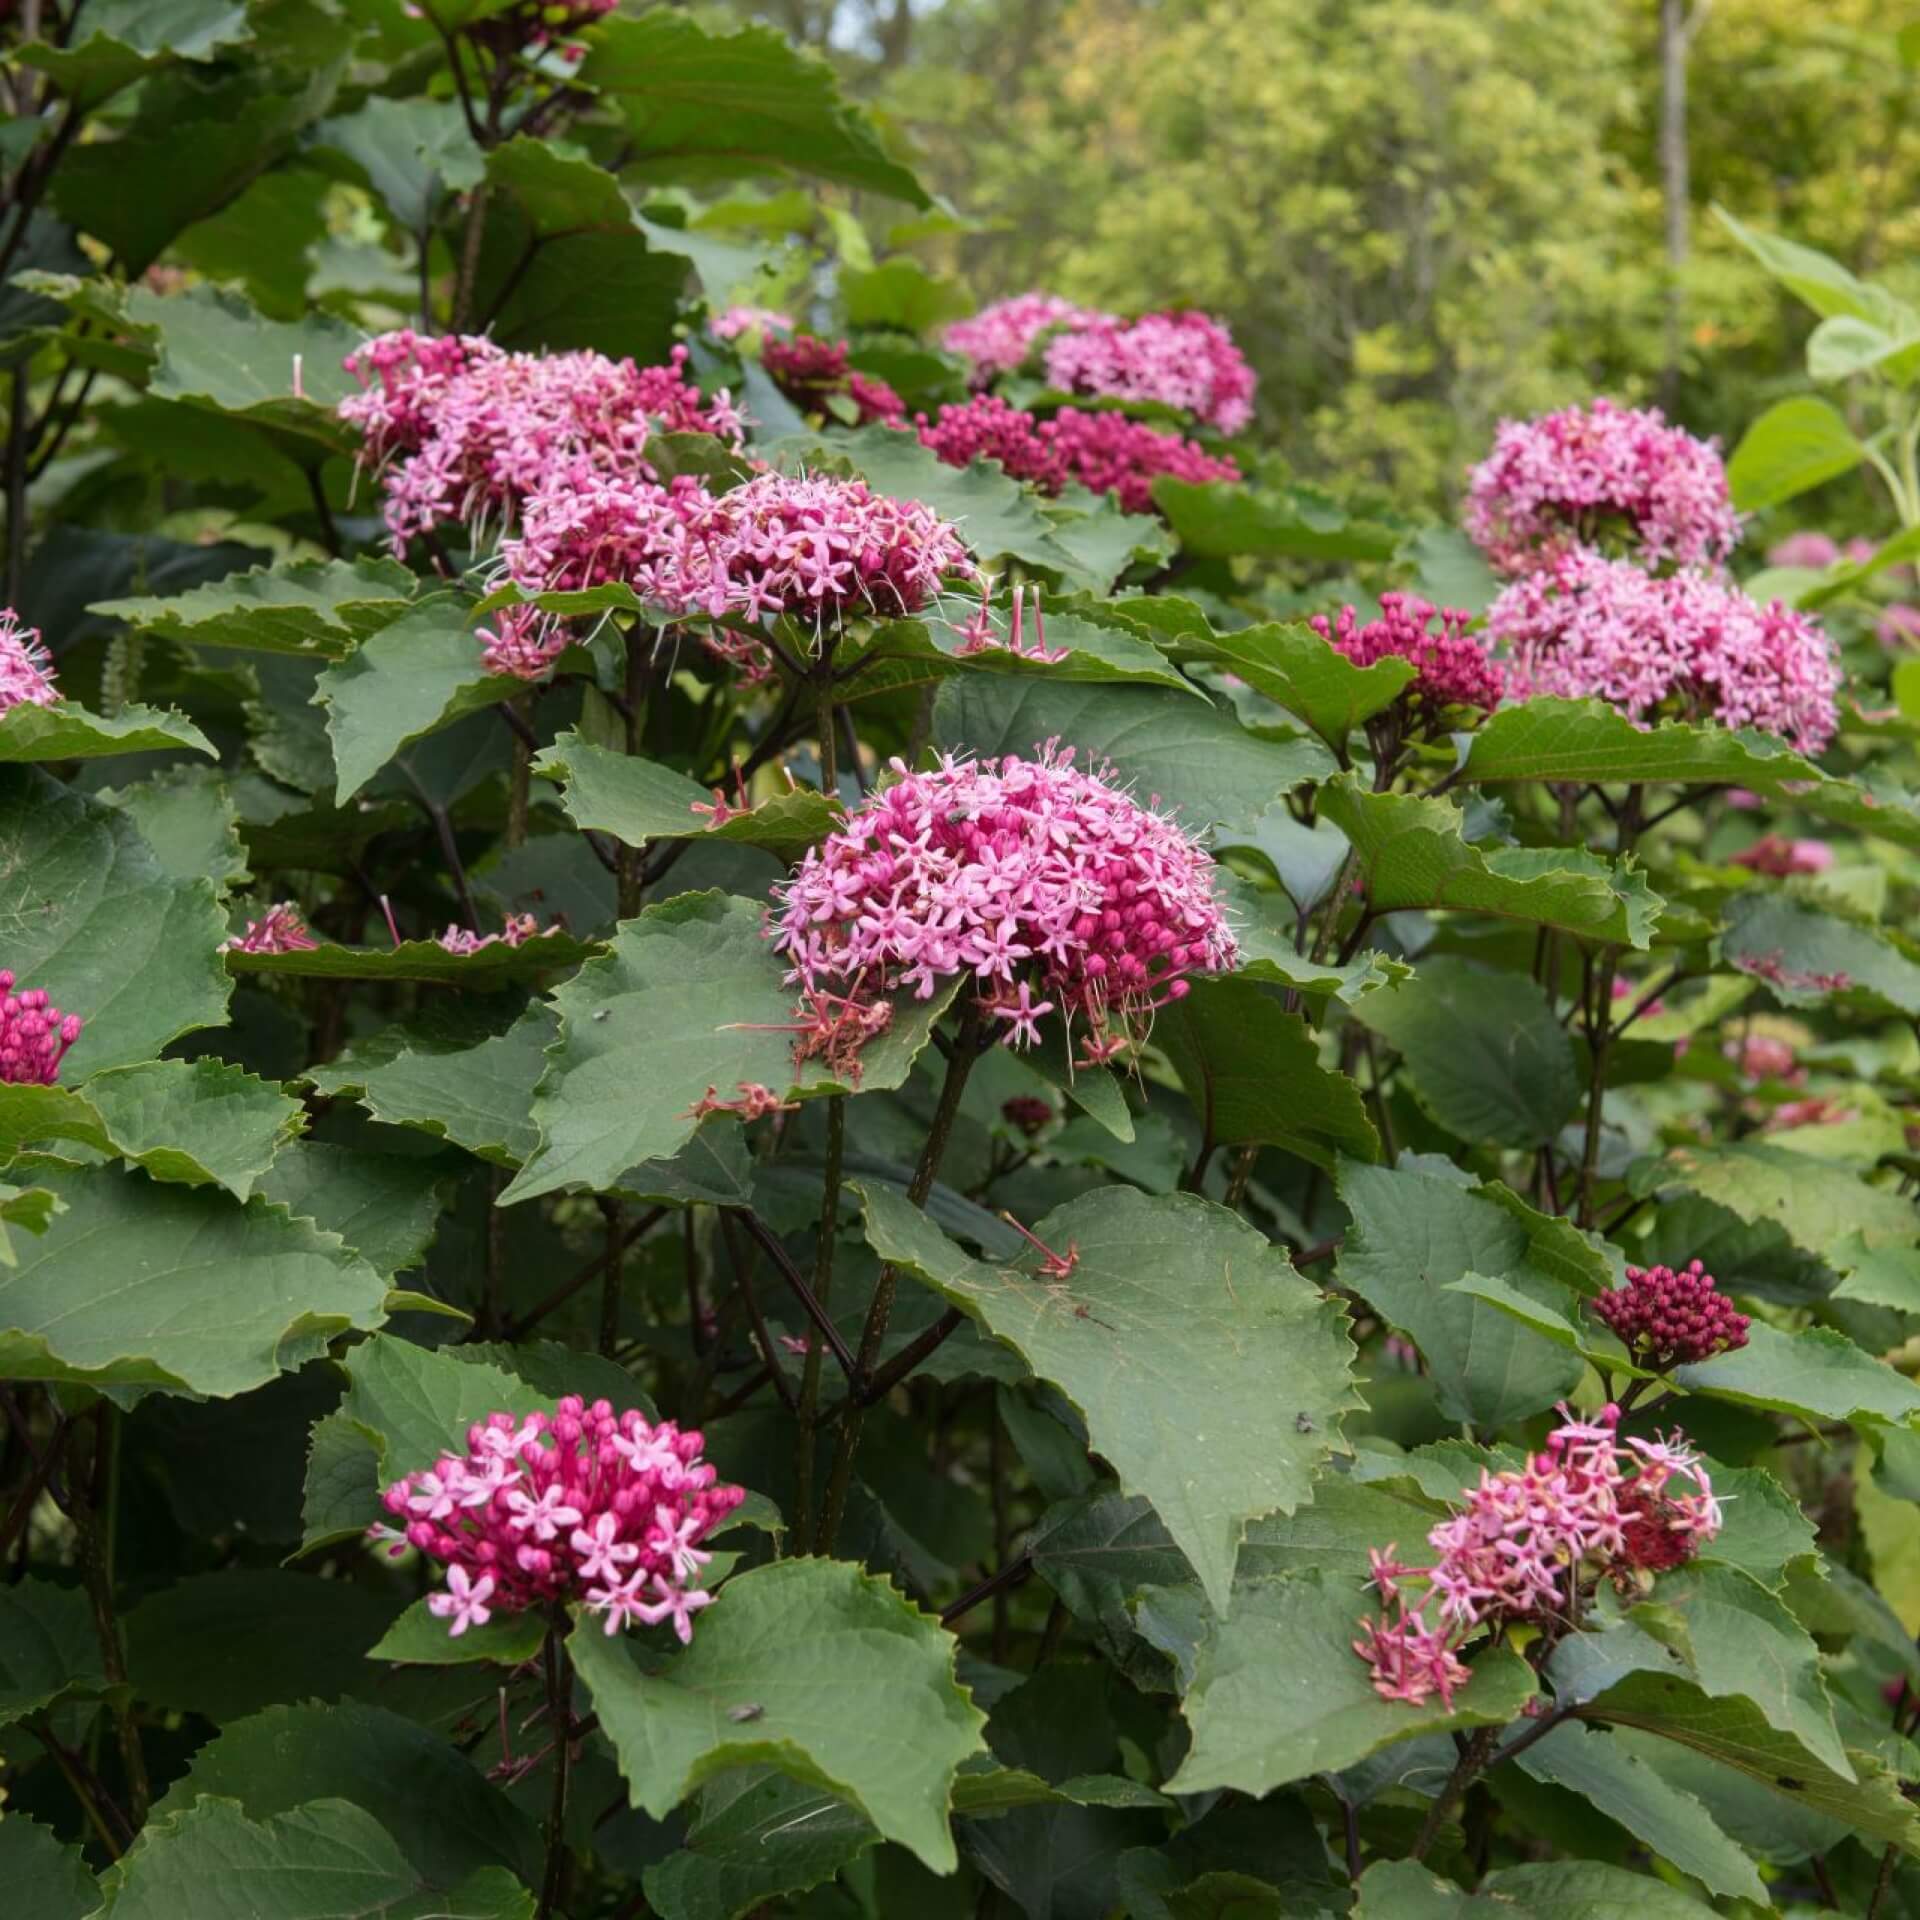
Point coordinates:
[(761, 1127)]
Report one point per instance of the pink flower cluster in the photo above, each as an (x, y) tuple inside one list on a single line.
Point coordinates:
[(1783, 858), (812, 372), (1052, 888), (999, 338), (1455, 670), (581, 1505), (1672, 1319), (26, 671), (1575, 477), (1765, 1056), (1183, 360), (461, 430), (279, 930), (731, 322), (34, 1035), (1527, 1546), (1103, 452), (806, 547), (1683, 645)]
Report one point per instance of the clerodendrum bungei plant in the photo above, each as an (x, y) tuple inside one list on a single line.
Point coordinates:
[(809, 1118)]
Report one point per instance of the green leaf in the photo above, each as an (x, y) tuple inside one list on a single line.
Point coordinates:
[(1585, 740), (1817, 278), (48, 1648), (1265, 925), (1735, 1732), (412, 153), (1795, 446), (689, 997), (1210, 1374), (47, 1877), (188, 818), (430, 1799), (419, 1639), (227, 1644), (1412, 854), (143, 1285), (198, 1123), (422, 672), (1671, 1822), (855, 1688), (124, 39), (1488, 1059), (700, 104), (1806, 957), (216, 351), (87, 914), (1281, 1695), (327, 1860), (385, 1206), (69, 732), (1413, 1233), (28, 1208), (1221, 519), (1253, 1073), (1816, 1375), (1080, 649), (1557, 1890), (639, 800), (1298, 670), (311, 606), (487, 970), (475, 1093), (1814, 1203), (1195, 760)]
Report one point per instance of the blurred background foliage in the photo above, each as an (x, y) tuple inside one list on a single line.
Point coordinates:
[(1416, 215)]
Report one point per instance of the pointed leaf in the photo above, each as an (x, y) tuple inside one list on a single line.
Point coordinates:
[(855, 1689), (1816, 1375), (311, 606), (1210, 1374), (487, 970), (1795, 446), (1308, 676), (66, 731)]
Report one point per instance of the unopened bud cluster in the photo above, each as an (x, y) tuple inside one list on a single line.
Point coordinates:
[(34, 1035), (1672, 1319)]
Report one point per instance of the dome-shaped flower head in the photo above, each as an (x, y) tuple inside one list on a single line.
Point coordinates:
[(1807, 548), (998, 338), (1455, 670), (460, 430), (1668, 1319), (582, 1506), (1588, 476), (26, 671), (1051, 888), (813, 373), (34, 1035), (1685, 646), (1529, 1543), (279, 930), (1182, 360)]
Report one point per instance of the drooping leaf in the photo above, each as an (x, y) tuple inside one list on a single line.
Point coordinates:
[(88, 915), (855, 1689), (199, 1123), (1413, 1233), (1197, 761), (326, 1860), (1210, 1374), (309, 607), (1253, 1073), (639, 800), (704, 104), (1587, 740), (486, 970), (1411, 853), (385, 1206), (1488, 1059), (1281, 1695), (66, 731), (1795, 446), (423, 671), (48, 1648), (1298, 670), (138, 1284), (689, 998)]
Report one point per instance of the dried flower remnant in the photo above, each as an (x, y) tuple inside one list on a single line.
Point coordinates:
[(1685, 646), (26, 668), (1529, 1545), (518, 929), (279, 930), (34, 1035), (1667, 1318), (752, 1102), (1568, 480), (1050, 888), (1028, 1113), (1772, 968), (1814, 1111), (580, 1506)]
